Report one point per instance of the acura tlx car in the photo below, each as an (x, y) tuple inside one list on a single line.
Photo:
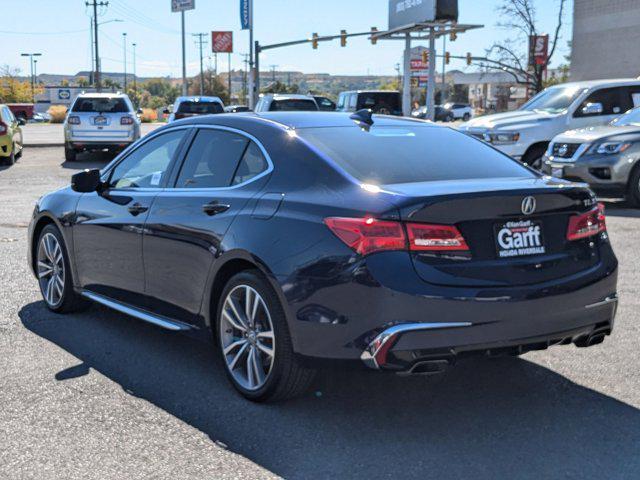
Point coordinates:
[(293, 238)]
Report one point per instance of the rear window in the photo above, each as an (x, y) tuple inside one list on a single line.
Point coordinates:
[(390, 100), (388, 155), (101, 105), (200, 108), (293, 105)]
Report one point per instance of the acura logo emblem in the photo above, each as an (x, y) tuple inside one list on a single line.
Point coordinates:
[(528, 205)]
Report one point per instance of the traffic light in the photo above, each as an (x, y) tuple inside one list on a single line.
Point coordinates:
[(447, 58), (343, 38), (453, 36), (374, 40), (425, 57), (469, 58), (314, 41)]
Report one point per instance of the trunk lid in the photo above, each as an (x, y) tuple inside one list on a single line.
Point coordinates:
[(506, 246)]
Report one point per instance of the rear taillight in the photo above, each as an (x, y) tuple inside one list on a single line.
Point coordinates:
[(368, 235), (587, 224), (178, 116), (426, 237), (3, 128), (73, 120), (126, 121)]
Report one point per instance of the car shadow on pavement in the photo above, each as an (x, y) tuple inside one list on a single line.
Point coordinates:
[(621, 209), (507, 418), (89, 160)]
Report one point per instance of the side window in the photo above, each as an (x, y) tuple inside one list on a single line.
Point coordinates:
[(341, 102), (633, 93), (613, 102), (212, 159), (146, 167), (252, 164), (353, 98)]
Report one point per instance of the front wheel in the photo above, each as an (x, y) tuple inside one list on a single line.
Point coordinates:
[(254, 341), (54, 272), (533, 157), (11, 159), (466, 117), (633, 189)]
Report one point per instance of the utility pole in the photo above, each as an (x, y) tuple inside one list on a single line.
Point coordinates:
[(245, 68), (31, 69), (95, 4), (229, 77), (398, 70), (273, 72), (184, 58), (444, 68), (253, 94), (201, 42), (124, 49), (135, 83)]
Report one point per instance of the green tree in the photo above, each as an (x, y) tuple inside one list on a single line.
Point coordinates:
[(12, 89), (279, 87)]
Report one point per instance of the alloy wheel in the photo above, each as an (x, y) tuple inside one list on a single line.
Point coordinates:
[(51, 271), (247, 337)]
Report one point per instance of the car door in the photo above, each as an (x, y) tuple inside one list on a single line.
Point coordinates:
[(614, 101), (13, 127), (108, 229), (221, 171)]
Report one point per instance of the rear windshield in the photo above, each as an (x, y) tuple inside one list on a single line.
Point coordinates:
[(390, 100), (101, 105), (201, 108), (388, 155), (293, 105)]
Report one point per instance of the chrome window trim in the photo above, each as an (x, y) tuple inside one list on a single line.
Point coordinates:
[(264, 173)]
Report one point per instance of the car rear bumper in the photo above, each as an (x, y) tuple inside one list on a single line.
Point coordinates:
[(345, 318)]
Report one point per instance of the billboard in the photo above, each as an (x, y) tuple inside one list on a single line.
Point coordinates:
[(222, 42), (408, 12), (182, 5)]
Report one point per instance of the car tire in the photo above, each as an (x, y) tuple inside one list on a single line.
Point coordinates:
[(533, 157), (18, 155), (11, 159), (53, 270), (633, 188), (466, 117), (69, 154), (246, 336)]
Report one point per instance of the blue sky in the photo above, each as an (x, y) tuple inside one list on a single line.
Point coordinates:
[(60, 30)]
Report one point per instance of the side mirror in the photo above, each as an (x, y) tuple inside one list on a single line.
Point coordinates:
[(86, 181), (166, 111), (139, 111), (21, 121), (592, 109)]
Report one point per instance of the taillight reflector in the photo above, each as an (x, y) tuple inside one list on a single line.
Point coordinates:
[(368, 235), (73, 120), (587, 224), (126, 121), (427, 237)]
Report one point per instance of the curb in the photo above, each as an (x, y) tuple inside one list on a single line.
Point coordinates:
[(43, 145)]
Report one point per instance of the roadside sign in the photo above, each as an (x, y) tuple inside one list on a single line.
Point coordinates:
[(64, 94), (222, 42), (245, 14), (182, 5), (419, 65), (538, 49), (403, 13)]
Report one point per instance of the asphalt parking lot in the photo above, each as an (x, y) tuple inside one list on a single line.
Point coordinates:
[(97, 395)]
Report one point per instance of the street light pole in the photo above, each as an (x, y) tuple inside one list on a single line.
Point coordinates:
[(135, 84), (124, 48), (31, 70), (184, 58)]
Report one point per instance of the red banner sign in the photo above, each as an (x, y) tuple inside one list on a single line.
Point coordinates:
[(222, 42), (538, 49)]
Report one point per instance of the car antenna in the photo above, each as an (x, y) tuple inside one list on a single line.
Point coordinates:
[(363, 116)]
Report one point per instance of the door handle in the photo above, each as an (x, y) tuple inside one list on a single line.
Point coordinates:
[(137, 209), (214, 208)]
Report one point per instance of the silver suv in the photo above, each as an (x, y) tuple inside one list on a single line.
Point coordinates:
[(100, 121)]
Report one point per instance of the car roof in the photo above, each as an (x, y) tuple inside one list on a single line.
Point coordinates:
[(371, 91), (298, 120), (103, 95), (601, 83), (288, 96), (198, 98)]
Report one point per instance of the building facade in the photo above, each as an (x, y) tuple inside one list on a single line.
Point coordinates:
[(606, 39)]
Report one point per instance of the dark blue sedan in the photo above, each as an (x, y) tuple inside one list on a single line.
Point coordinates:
[(294, 239)]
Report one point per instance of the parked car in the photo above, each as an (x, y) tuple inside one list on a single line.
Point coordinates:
[(10, 136), (286, 102), (525, 134), (442, 114), (100, 121), (22, 111), (236, 109), (185, 107), (292, 238), (325, 104), (607, 157), (378, 101), (460, 110)]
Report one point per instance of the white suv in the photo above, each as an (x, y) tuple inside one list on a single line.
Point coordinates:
[(460, 110), (525, 134), (100, 121)]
